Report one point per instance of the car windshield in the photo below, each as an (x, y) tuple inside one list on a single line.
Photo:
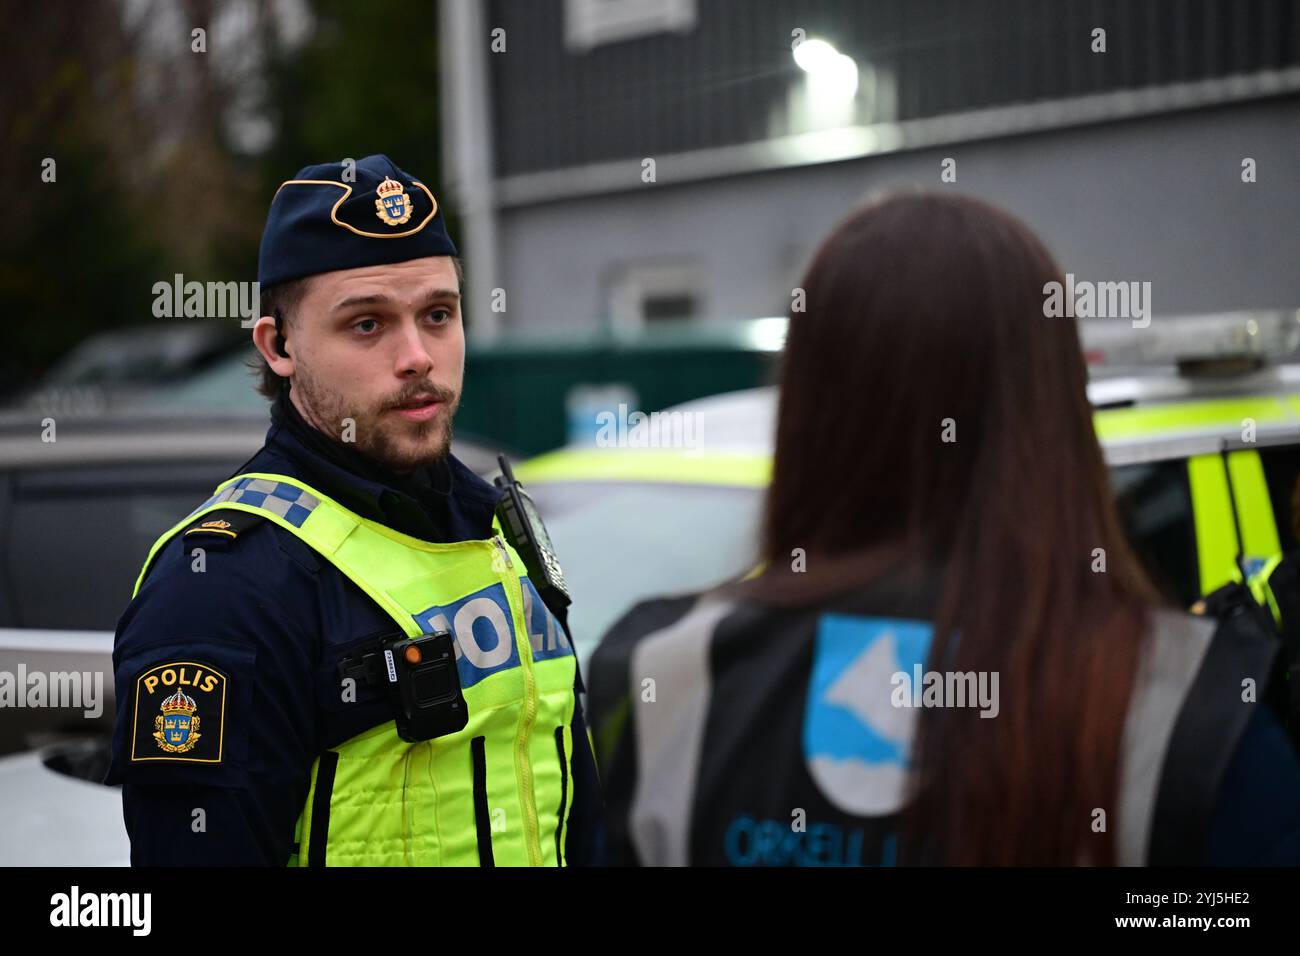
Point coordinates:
[(227, 386), (620, 543)]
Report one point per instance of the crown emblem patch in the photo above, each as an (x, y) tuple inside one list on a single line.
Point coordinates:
[(176, 729), (179, 713), (393, 207)]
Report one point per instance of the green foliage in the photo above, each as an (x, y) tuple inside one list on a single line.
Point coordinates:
[(366, 82), (133, 203)]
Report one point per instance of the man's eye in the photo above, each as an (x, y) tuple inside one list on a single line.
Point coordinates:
[(365, 326), (440, 316)]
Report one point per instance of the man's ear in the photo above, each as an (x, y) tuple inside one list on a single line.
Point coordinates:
[(266, 338)]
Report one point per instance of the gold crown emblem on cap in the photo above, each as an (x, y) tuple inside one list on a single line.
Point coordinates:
[(393, 206)]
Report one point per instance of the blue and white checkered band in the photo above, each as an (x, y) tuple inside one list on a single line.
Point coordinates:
[(277, 497)]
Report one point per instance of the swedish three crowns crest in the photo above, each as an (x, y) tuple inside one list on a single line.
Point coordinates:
[(177, 727), (179, 713), (393, 205)]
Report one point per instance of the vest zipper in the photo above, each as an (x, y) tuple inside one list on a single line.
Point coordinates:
[(523, 765)]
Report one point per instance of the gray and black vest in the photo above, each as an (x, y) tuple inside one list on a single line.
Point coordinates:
[(736, 734)]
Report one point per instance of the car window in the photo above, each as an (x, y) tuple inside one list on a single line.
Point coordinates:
[(227, 386), (1154, 500), (1281, 471), (622, 543), (78, 537)]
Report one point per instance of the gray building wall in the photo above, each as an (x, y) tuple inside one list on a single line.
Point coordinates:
[(726, 78), (1156, 199)]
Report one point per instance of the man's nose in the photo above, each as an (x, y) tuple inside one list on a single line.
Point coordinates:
[(413, 358)]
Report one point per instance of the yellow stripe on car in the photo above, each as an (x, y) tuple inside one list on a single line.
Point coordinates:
[(676, 466), (1169, 420)]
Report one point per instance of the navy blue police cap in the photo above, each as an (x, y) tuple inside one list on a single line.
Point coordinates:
[(321, 221)]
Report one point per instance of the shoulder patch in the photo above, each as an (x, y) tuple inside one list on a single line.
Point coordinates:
[(180, 713), (224, 524)]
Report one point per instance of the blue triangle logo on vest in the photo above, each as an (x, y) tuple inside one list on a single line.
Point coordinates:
[(856, 743)]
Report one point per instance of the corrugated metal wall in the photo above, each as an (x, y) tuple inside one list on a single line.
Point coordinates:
[(726, 81)]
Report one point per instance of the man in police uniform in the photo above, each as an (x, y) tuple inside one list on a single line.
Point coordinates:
[(278, 632)]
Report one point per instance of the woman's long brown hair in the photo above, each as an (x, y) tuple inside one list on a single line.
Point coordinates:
[(924, 321)]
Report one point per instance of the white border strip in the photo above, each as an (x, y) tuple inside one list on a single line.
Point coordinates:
[(35, 639)]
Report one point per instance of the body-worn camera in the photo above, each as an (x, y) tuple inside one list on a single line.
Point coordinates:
[(422, 683), (425, 687), (523, 528)]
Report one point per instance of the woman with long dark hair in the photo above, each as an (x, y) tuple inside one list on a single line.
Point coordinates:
[(950, 654)]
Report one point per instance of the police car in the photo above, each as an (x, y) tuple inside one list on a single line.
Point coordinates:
[(1204, 454)]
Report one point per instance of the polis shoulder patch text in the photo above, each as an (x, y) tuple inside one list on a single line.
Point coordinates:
[(180, 710)]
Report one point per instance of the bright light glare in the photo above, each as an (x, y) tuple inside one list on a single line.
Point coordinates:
[(830, 71), (767, 334), (814, 55), (842, 76)]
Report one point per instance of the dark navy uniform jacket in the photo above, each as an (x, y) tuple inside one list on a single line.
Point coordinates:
[(276, 619)]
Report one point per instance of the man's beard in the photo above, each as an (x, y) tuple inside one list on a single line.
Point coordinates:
[(395, 444)]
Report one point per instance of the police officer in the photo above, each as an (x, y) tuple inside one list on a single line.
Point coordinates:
[(338, 658)]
